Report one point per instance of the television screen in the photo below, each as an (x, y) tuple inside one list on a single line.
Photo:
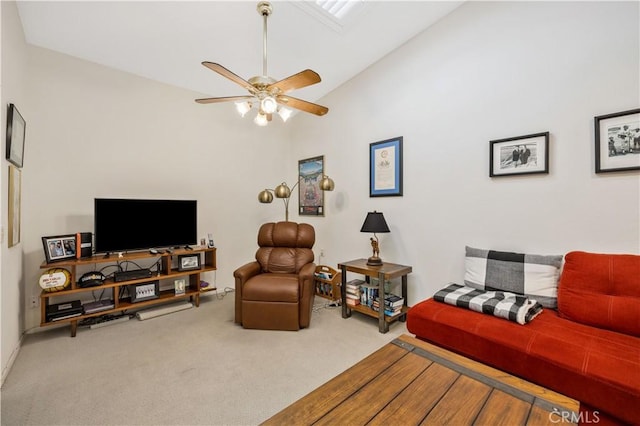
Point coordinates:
[(129, 224)]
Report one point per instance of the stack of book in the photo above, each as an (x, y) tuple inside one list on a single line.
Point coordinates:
[(393, 304), (353, 291)]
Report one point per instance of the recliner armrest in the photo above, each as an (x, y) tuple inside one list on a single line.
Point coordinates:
[(246, 271), (306, 272)]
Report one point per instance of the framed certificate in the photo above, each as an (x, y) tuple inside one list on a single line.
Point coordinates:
[(385, 168)]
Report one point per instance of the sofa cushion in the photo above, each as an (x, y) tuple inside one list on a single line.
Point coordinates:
[(601, 290), (597, 367), (535, 276)]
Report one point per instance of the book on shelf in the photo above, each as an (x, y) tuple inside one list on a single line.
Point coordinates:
[(352, 301), (393, 300), (369, 294)]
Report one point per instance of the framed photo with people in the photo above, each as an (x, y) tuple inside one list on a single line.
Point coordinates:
[(59, 247), (520, 155), (617, 141)]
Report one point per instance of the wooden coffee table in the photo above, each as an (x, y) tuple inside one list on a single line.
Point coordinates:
[(409, 381)]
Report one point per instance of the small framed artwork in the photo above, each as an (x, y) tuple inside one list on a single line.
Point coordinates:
[(187, 262), (59, 247), (15, 184), (310, 196), (180, 286), (520, 155), (385, 168), (617, 141), (16, 127)]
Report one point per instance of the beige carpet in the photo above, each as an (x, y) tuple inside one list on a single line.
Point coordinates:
[(194, 367)]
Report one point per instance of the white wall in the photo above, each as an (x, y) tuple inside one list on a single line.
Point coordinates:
[(487, 71), (14, 62)]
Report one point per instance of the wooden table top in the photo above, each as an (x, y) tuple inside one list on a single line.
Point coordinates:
[(409, 381)]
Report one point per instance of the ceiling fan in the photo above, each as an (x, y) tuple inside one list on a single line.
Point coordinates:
[(269, 95)]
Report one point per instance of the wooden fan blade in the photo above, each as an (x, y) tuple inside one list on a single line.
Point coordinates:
[(228, 74), (302, 79), (224, 99), (302, 105)]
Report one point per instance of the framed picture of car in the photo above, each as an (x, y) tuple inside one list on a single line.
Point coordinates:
[(617, 141), (188, 262)]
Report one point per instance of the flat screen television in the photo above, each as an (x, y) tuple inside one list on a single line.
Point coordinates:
[(133, 224)]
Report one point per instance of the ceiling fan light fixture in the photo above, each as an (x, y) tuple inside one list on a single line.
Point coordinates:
[(243, 107), (284, 113), (268, 104), (267, 92), (261, 119)]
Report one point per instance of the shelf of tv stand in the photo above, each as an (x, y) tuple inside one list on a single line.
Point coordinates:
[(192, 291)]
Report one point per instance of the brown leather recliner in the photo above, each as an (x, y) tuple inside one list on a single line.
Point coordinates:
[(275, 292)]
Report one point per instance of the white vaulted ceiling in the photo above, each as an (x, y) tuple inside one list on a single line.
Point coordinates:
[(167, 40)]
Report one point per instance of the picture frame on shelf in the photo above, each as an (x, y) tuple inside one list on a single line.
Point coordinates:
[(617, 141), (310, 196), (180, 286), (16, 130), (385, 168), (188, 262), (59, 247), (520, 155), (14, 204)]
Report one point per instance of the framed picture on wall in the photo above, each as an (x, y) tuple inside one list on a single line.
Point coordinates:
[(16, 127), (520, 155), (15, 187), (310, 196), (385, 168), (617, 141)]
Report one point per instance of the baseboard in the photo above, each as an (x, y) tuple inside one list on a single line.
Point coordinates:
[(14, 355)]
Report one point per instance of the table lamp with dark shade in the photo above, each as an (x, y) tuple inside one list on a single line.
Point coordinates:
[(374, 222)]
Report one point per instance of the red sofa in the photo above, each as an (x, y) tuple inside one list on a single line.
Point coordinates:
[(587, 349)]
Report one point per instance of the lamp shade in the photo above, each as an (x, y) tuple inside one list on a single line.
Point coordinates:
[(374, 222)]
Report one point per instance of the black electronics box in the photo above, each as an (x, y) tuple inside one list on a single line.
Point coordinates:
[(134, 274), (84, 244), (60, 311)]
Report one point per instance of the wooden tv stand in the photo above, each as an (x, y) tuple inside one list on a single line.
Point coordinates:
[(122, 304)]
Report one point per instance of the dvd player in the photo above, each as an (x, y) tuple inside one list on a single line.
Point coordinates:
[(134, 274)]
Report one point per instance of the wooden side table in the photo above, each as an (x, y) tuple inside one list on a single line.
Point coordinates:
[(384, 272)]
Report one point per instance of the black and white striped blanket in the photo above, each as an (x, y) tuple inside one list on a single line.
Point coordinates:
[(502, 304)]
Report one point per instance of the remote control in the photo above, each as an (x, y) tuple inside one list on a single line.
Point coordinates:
[(153, 251), (188, 248)]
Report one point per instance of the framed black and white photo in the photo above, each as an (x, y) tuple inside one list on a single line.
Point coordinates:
[(385, 168), (617, 141), (59, 247), (15, 136), (520, 155), (187, 262), (310, 196)]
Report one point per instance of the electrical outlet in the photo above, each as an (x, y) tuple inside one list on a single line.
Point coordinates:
[(35, 301), (321, 252)]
